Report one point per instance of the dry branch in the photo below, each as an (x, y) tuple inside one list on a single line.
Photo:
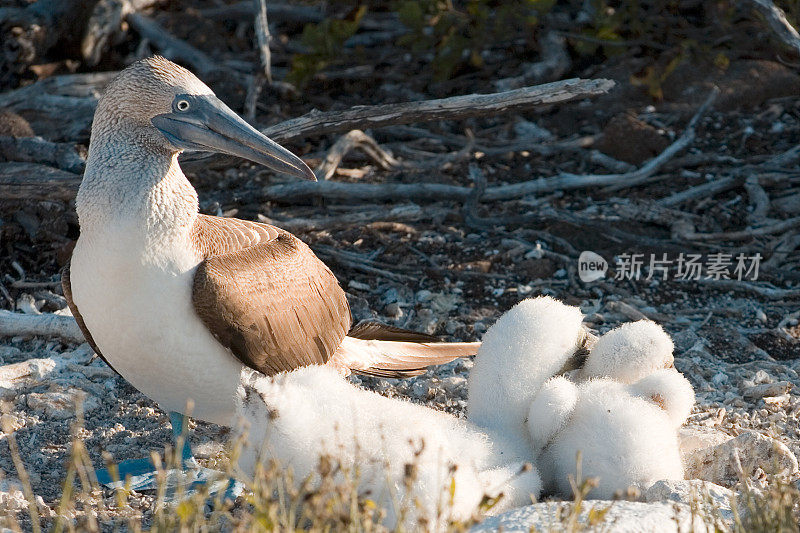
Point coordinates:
[(454, 108), (398, 213), (38, 150), (555, 63), (105, 25), (277, 12), (776, 19), (29, 181), (749, 233), (353, 140), (44, 325), (264, 38), (177, 49)]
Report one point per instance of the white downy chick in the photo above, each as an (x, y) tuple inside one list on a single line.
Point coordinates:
[(629, 352), (298, 417), (526, 346), (627, 433)]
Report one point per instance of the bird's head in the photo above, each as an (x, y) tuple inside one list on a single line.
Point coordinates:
[(169, 109), (630, 352)]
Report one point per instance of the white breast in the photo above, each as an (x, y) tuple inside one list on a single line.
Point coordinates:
[(136, 301)]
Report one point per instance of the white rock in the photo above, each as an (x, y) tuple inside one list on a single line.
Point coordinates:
[(11, 497), (61, 405), (709, 495), (621, 517), (694, 438), (717, 465)]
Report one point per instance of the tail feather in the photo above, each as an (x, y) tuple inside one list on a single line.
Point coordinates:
[(384, 351)]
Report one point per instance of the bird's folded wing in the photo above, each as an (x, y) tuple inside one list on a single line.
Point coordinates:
[(268, 299)]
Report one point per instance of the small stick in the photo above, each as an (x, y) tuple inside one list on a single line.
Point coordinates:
[(44, 325), (776, 19), (745, 234), (454, 108), (355, 139), (264, 38)]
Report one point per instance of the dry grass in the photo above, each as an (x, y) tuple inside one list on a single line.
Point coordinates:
[(275, 501)]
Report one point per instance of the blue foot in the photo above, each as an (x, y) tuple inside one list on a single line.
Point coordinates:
[(142, 473)]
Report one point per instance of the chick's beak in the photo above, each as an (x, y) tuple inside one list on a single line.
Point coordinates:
[(207, 124)]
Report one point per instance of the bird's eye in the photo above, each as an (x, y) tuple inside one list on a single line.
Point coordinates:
[(182, 105)]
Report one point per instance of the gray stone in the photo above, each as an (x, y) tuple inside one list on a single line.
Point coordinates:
[(61, 405), (713, 498), (620, 517), (756, 451)]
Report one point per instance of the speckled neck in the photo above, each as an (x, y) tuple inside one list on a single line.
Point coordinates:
[(129, 182)]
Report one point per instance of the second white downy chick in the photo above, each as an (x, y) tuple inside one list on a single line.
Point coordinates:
[(628, 353), (626, 433)]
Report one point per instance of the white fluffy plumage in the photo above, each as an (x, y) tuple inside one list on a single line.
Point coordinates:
[(626, 433), (629, 352), (526, 346), (300, 416)]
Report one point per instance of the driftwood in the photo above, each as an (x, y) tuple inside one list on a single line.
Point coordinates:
[(353, 140), (45, 325), (29, 181), (555, 62), (277, 12), (37, 150), (59, 108), (29, 33), (105, 26), (177, 49), (398, 213), (454, 108), (776, 19)]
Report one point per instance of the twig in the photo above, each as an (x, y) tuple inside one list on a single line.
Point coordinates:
[(776, 19), (353, 140), (43, 325), (346, 260), (759, 198), (629, 179), (38, 150), (554, 63), (29, 181), (771, 293), (454, 108), (779, 227), (264, 38), (177, 49), (700, 191)]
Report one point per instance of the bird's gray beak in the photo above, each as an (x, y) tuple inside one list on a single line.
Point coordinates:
[(205, 123)]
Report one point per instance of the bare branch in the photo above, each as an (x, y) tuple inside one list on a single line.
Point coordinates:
[(776, 19), (44, 325), (454, 108)]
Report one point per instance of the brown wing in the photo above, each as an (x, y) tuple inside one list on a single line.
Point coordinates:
[(66, 287), (264, 294)]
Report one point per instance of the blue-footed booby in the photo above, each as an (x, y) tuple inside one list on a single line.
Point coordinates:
[(179, 303)]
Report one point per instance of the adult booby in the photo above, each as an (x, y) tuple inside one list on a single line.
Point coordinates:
[(178, 302)]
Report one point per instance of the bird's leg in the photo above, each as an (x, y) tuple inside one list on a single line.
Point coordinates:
[(142, 471), (178, 421)]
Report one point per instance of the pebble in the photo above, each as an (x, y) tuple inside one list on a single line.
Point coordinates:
[(61, 405), (423, 296)]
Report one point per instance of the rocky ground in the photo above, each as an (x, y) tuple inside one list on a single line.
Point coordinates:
[(750, 406), (451, 266)]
